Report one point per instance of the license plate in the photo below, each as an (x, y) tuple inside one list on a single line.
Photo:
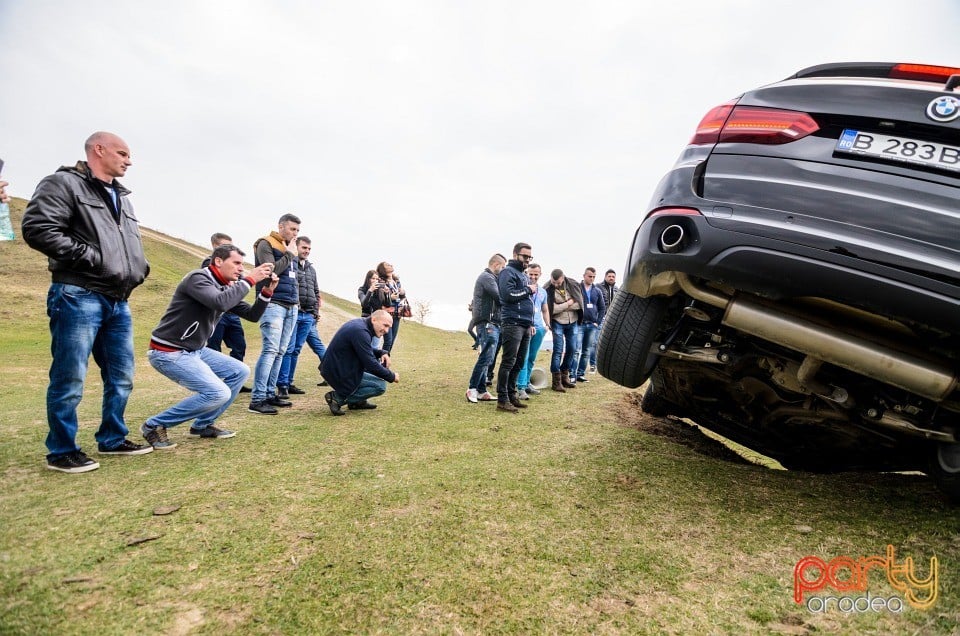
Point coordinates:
[(900, 149)]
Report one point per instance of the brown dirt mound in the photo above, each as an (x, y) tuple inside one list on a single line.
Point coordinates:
[(676, 430)]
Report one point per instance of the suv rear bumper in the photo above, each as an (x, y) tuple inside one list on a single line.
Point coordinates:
[(713, 248)]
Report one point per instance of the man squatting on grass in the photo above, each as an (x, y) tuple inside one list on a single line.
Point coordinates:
[(178, 351), (351, 365), (81, 218)]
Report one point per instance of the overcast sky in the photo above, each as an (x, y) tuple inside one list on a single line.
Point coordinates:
[(426, 133)]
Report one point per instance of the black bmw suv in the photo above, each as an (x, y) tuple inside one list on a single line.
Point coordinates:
[(795, 283)]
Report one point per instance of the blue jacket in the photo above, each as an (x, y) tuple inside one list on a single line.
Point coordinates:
[(349, 354), (516, 304), (594, 304), (284, 266)]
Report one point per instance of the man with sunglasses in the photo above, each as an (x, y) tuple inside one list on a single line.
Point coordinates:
[(516, 319)]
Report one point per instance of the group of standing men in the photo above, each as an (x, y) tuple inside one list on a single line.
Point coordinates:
[(512, 314), (81, 218)]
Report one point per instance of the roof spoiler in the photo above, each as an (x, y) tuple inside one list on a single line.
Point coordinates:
[(918, 72)]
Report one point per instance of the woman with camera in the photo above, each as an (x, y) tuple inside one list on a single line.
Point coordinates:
[(374, 294), (397, 302)]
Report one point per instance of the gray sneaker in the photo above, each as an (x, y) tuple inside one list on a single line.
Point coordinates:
[(156, 436), (522, 394)]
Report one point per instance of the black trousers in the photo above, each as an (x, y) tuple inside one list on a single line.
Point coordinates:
[(513, 340)]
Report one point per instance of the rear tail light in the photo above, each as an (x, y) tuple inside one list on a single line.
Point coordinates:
[(753, 125), (708, 132), (923, 72)]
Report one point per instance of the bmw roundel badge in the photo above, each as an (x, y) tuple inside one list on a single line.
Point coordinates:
[(944, 108)]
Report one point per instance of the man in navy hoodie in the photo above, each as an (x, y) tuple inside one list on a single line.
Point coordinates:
[(516, 318), (351, 365)]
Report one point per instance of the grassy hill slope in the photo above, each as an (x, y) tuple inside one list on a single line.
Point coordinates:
[(427, 515)]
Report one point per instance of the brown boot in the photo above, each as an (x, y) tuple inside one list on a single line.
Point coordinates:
[(566, 381), (516, 401), (506, 406), (557, 383)]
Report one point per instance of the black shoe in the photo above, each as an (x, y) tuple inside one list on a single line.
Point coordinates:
[(582, 378), (211, 431), (515, 401), (282, 393), (323, 383), (77, 462), (295, 390), (262, 408), (126, 448), (333, 404), (245, 389), (360, 406), (278, 401)]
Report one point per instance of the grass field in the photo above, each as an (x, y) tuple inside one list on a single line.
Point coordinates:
[(428, 515)]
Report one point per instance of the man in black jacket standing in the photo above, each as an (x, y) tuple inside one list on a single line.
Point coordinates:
[(81, 218), (516, 317), (308, 315), (486, 319), (178, 345)]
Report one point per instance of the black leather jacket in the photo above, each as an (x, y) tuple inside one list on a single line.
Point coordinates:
[(71, 220)]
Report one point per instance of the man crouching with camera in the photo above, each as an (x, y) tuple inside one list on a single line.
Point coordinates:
[(178, 351), (355, 370)]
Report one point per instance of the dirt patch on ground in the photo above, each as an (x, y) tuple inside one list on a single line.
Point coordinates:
[(676, 430)]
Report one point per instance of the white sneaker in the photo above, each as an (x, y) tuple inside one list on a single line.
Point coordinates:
[(521, 394), (472, 395), (486, 397)]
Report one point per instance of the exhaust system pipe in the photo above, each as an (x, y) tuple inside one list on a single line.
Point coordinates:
[(672, 239), (912, 371)]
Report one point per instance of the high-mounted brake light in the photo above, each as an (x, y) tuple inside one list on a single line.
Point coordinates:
[(923, 72), (753, 125)]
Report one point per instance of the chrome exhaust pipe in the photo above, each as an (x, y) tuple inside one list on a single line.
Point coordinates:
[(913, 371), (671, 239)]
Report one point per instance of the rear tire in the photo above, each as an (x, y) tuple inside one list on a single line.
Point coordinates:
[(629, 330), (945, 470), (653, 404)]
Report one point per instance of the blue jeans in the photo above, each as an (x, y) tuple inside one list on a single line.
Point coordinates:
[(523, 380), (276, 328), (565, 346), (306, 333), (489, 335), (214, 378), (514, 340), (229, 331), (370, 386), (390, 337), (588, 346), (84, 322)]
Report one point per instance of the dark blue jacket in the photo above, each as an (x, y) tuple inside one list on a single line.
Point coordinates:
[(284, 266), (516, 302), (349, 354), (593, 314)]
